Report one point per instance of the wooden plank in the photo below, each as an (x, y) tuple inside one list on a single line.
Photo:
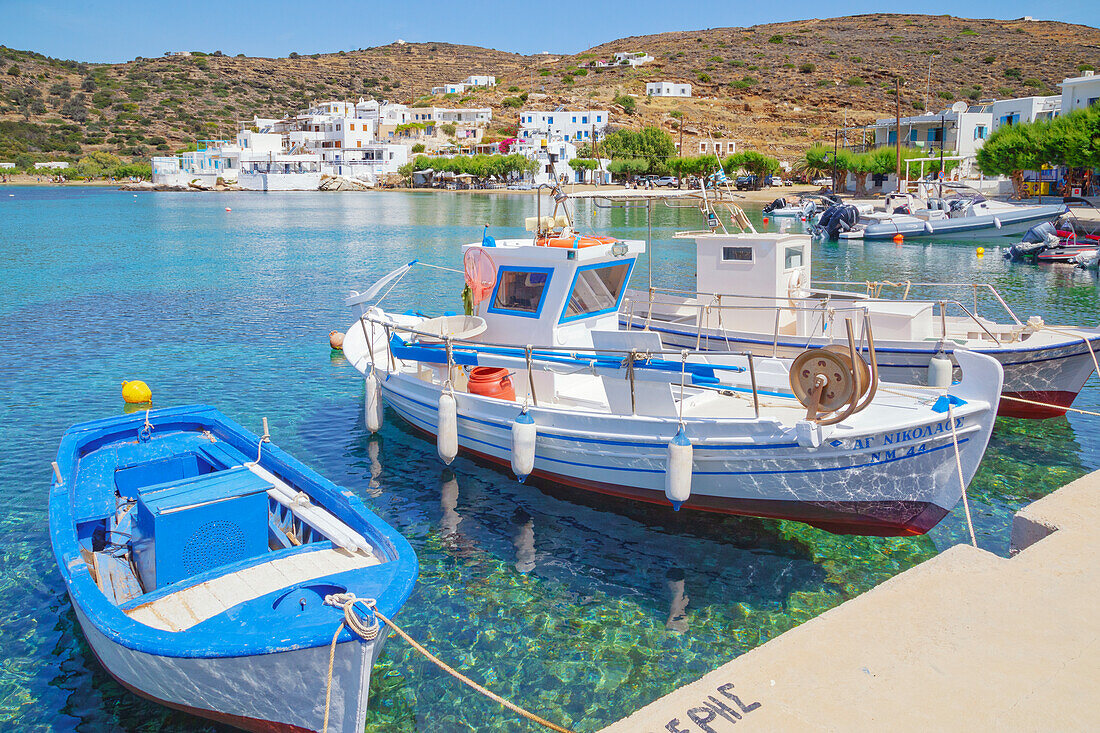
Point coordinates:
[(189, 606)]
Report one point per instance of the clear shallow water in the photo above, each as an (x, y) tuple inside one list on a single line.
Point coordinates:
[(562, 602)]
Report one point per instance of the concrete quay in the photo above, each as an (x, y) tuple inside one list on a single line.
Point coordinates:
[(966, 641)]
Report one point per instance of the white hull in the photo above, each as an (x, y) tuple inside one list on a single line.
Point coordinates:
[(269, 692)]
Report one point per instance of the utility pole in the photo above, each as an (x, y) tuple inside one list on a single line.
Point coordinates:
[(681, 150), (836, 139), (897, 140), (943, 141)]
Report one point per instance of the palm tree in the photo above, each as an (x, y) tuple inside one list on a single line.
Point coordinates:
[(815, 163)]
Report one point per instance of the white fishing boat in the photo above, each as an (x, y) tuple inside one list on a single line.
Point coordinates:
[(540, 377)]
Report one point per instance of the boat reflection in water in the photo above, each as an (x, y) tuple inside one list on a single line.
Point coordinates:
[(678, 600), (523, 538)]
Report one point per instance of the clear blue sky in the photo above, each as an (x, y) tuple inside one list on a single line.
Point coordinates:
[(91, 30)]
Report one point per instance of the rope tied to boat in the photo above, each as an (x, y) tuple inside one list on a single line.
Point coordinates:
[(959, 468), (146, 431), (265, 438), (353, 621)]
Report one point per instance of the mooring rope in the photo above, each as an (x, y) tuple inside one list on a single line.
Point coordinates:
[(959, 467), (353, 621)]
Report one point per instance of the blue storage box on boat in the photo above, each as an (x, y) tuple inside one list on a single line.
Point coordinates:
[(190, 525)]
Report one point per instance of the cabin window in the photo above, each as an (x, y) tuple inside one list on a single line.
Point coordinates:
[(737, 254), (597, 290), (792, 258), (520, 291)]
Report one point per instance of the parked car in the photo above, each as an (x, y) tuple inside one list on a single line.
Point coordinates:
[(745, 182), (822, 182), (773, 181), (666, 181)]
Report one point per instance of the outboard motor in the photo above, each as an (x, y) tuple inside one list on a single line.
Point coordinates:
[(779, 203), (1034, 241), (836, 219)]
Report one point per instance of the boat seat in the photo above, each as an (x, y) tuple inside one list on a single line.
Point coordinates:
[(189, 606)]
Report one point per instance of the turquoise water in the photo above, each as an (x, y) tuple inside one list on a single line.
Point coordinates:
[(561, 602)]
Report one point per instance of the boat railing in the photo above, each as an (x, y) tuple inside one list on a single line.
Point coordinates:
[(874, 290), (549, 357), (828, 305)]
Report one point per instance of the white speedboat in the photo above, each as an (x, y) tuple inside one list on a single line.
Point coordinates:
[(961, 213), (540, 377), (753, 292)]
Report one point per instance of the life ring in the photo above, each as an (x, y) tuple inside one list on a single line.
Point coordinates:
[(587, 240)]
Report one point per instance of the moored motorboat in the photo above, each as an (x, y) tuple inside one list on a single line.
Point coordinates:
[(578, 402), (959, 213), (209, 570)]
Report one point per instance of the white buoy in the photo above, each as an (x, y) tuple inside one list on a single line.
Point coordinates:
[(372, 402), (524, 433), (446, 439), (997, 222), (678, 471), (940, 371)]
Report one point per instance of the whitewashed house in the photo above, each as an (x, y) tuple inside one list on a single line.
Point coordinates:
[(479, 80), (572, 126), (958, 132), (626, 58), (1080, 92), (667, 89), (1025, 109), (56, 165)]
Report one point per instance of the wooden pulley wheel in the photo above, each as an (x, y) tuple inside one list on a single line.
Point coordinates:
[(864, 371), (822, 380)]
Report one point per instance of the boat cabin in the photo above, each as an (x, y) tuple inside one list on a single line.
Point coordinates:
[(767, 278), (554, 290)]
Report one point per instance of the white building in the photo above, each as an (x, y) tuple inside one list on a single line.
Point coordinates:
[(1080, 92), (626, 58), (477, 80), (716, 147), (959, 132), (468, 116), (1025, 109), (449, 89), (579, 126), (667, 89), (56, 165), (7, 166)]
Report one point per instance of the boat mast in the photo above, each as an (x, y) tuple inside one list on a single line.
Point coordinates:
[(897, 140)]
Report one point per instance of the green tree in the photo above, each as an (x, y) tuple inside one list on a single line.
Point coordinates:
[(650, 143), (755, 163), (814, 163), (1013, 149), (584, 165), (626, 102)]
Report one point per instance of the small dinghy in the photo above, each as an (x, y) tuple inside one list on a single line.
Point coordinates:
[(209, 570)]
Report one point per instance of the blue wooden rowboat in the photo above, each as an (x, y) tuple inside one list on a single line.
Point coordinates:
[(200, 574)]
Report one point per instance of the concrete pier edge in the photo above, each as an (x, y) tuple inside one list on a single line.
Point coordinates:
[(967, 640)]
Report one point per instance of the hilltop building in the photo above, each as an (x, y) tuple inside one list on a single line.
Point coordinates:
[(667, 89), (625, 58)]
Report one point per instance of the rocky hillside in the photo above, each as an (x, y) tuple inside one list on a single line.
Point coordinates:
[(774, 87)]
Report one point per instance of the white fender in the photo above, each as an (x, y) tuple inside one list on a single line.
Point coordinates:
[(524, 434), (940, 371), (446, 438), (928, 227), (678, 471), (997, 222), (372, 402)]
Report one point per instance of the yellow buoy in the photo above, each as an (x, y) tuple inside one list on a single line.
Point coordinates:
[(981, 251), (136, 392)]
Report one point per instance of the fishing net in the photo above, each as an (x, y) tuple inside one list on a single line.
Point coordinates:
[(481, 273)]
